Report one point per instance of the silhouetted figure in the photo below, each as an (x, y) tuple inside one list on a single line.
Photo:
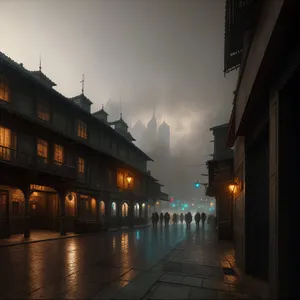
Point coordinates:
[(174, 218), (197, 219), (165, 218), (161, 218), (181, 218), (168, 219), (188, 220), (153, 219), (203, 218), (156, 218)]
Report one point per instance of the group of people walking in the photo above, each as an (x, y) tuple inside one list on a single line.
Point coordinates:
[(188, 218)]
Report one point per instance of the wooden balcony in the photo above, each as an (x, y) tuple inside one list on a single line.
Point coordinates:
[(22, 159)]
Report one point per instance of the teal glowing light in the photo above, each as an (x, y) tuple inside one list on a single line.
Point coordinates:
[(182, 208), (186, 205), (173, 205), (197, 184)]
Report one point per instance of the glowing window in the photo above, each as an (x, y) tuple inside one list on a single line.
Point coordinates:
[(82, 130), (4, 90), (58, 154), (43, 111), (42, 150), (5, 143), (80, 165)]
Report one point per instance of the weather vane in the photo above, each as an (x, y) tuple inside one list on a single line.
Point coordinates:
[(82, 84)]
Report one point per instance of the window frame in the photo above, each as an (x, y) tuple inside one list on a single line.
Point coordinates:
[(82, 131), (57, 162), (43, 111), (81, 165), (40, 152), (4, 86)]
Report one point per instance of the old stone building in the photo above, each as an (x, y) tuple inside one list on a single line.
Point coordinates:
[(62, 167), (220, 177), (260, 39)]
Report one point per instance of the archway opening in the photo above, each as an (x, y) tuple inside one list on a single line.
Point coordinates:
[(137, 210), (43, 208), (124, 210), (102, 209), (144, 211), (113, 209), (12, 211)]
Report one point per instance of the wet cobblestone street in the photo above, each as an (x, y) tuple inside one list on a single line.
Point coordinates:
[(137, 264)]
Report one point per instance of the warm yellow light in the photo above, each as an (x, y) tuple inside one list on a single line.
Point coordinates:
[(232, 188), (129, 179), (157, 203)]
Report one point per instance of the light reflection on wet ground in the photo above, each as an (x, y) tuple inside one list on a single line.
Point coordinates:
[(80, 267)]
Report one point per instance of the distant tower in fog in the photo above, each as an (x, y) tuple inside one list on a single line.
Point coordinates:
[(138, 132), (163, 138), (152, 132)]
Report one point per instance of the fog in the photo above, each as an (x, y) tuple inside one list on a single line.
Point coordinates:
[(138, 54)]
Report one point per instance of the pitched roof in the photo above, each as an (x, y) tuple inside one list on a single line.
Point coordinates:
[(119, 121), (101, 111), (81, 96), (24, 71), (126, 134), (44, 79), (219, 126)]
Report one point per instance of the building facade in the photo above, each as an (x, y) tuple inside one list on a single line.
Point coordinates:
[(220, 177), (260, 40), (62, 167)]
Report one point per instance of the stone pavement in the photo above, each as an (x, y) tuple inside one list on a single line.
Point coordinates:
[(79, 268), (46, 235), (197, 268)]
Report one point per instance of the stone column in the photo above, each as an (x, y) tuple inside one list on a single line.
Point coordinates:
[(26, 191), (62, 211), (131, 213)]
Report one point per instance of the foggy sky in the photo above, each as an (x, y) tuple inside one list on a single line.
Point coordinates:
[(167, 52)]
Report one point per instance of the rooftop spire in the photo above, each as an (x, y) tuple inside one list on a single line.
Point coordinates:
[(40, 64), (82, 84), (121, 107)]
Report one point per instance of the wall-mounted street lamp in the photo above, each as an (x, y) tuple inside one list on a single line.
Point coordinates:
[(232, 188), (129, 179), (70, 197)]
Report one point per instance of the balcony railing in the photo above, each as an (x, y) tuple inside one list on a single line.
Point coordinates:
[(26, 160), (240, 15)]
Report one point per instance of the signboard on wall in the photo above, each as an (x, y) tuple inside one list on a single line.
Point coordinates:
[(220, 171)]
